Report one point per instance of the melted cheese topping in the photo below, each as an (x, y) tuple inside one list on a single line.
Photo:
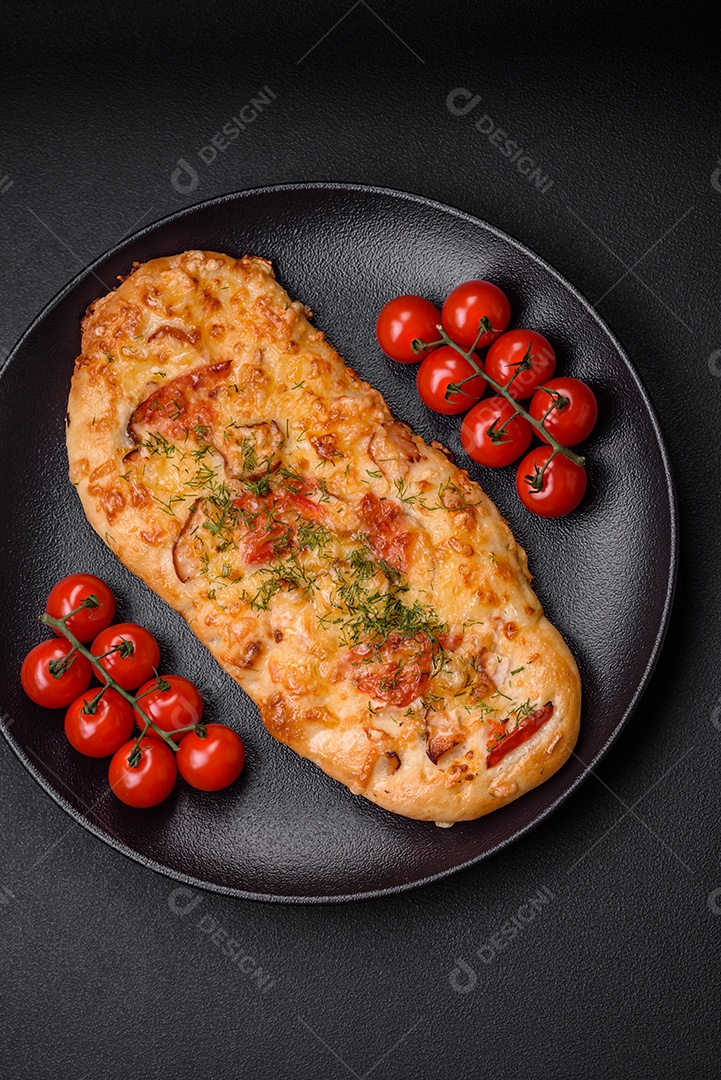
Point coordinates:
[(362, 590)]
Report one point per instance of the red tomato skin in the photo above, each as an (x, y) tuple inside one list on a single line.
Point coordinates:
[(467, 304), (101, 733), (397, 672), (520, 734), (69, 594), (169, 709), (564, 484), (39, 684), (438, 369), (277, 515), (128, 672), (149, 782), (212, 763), (479, 446), (404, 320), (509, 350), (572, 424)]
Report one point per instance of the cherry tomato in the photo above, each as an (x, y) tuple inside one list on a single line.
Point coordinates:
[(101, 732), (175, 707), (467, 305), (568, 423), (508, 356), (150, 781), (135, 654), (564, 483), (403, 320), (69, 593), (54, 691), (444, 366), (213, 762), (482, 439)]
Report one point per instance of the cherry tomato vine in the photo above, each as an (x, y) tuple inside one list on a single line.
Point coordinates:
[(485, 328), (125, 649), (99, 721)]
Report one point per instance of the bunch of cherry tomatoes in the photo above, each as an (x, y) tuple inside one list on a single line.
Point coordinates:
[(496, 431), (100, 720)]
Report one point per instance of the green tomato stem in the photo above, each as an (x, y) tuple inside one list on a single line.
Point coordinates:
[(577, 459), (59, 624)]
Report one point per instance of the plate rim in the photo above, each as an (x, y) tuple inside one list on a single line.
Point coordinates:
[(587, 768)]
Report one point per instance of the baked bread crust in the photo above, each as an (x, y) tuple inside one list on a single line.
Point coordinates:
[(362, 590)]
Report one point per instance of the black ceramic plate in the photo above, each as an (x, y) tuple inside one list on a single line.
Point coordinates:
[(605, 575)]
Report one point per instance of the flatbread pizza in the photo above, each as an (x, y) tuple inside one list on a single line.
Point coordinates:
[(359, 587)]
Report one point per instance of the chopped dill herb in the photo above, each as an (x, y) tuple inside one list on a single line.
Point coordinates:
[(284, 576), (402, 489), (259, 487), (168, 505), (156, 443), (523, 710), (366, 610)]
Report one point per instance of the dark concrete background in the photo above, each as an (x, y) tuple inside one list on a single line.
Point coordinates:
[(105, 970)]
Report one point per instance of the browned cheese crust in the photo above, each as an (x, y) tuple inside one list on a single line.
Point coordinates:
[(362, 590)]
